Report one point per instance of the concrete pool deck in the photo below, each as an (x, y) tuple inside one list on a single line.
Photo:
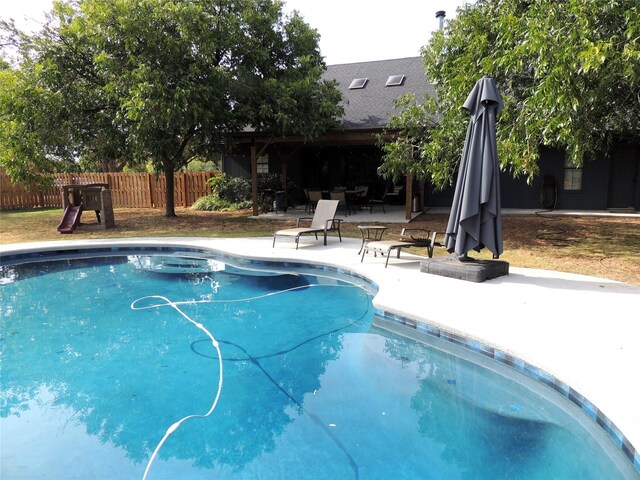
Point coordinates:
[(582, 330)]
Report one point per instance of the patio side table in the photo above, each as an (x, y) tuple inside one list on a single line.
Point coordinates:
[(370, 233)]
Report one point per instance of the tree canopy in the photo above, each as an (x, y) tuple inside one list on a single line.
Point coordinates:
[(164, 81), (568, 72)]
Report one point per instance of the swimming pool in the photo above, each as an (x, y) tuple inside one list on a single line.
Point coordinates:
[(313, 387)]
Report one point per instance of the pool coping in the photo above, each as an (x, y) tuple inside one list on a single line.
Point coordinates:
[(579, 371)]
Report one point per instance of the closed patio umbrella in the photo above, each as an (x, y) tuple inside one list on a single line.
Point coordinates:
[(475, 221)]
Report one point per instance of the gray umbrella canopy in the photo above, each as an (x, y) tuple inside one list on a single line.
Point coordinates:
[(475, 221)]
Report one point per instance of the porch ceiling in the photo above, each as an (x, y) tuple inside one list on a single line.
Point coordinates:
[(332, 137)]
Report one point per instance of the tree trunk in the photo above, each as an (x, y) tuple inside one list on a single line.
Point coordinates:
[(254, 180), (170, 208)]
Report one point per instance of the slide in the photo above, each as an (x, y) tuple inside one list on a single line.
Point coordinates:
[(70, 219)]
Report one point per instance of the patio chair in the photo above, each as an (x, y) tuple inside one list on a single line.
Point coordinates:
[(343, 201), (409, 237), (323, 221), (313, 196), (377, 201)]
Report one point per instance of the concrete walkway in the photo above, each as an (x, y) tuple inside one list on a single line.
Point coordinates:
[(392, 214), (582, 330), (397, 214), (621, 213)]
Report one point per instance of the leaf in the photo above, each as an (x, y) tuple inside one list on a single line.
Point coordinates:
[(568, 72)]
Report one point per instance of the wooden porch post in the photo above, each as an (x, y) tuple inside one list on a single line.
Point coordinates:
[(409, 196), (284, 181), (254, 174)]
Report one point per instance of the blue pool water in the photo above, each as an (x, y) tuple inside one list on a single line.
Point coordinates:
[(312, 386)]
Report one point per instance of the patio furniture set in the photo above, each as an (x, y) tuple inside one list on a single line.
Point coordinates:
[(324, 221), (350, 200)]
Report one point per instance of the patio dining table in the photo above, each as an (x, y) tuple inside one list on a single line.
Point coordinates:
[(355, 198)]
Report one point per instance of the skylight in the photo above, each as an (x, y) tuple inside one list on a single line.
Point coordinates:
[(358, 83), (394, 80)]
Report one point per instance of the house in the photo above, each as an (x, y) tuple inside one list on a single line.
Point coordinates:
[(349, 155)]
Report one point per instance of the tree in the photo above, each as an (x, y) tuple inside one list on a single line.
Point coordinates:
[(55, 116), (569, 74), (169, 81)]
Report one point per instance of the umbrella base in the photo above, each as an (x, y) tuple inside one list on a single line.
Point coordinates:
[(471, 271)]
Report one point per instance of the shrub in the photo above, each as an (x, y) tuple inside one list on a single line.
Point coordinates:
[(273, 181), (215, 203), (231, 189), (269, 181), (234, 193)]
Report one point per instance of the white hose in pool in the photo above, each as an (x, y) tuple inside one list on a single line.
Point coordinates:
[(174, 427), (175, 306)]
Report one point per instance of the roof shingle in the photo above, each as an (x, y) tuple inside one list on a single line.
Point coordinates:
[(370, 107)]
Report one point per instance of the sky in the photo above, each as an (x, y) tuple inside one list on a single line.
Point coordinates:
[(350, 30)]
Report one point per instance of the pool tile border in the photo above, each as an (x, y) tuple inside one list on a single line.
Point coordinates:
[(501, 356), (527, 369)]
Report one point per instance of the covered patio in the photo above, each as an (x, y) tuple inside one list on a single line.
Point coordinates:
[(392, 214), (348, 154)]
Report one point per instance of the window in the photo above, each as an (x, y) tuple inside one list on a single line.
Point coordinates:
[(262, 164), (358, 83), (394, 81), (572, 176)]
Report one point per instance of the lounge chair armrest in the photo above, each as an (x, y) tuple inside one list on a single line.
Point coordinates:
[(332, 224), (436, 244), (419, 234), (302, 218)]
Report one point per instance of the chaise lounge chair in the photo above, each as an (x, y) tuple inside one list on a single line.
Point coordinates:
[(409, 237), (322, 221)]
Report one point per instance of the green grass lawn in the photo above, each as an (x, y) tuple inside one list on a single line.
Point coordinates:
[(606, 247)]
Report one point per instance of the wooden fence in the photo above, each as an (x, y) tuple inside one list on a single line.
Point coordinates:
[(128, 190)]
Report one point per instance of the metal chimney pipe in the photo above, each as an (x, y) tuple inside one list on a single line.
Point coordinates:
[(440, 16)]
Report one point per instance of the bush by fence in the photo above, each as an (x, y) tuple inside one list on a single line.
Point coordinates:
[(128, 190)]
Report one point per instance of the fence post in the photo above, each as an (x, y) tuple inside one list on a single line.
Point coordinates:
[(185, 196), (150, 189)]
